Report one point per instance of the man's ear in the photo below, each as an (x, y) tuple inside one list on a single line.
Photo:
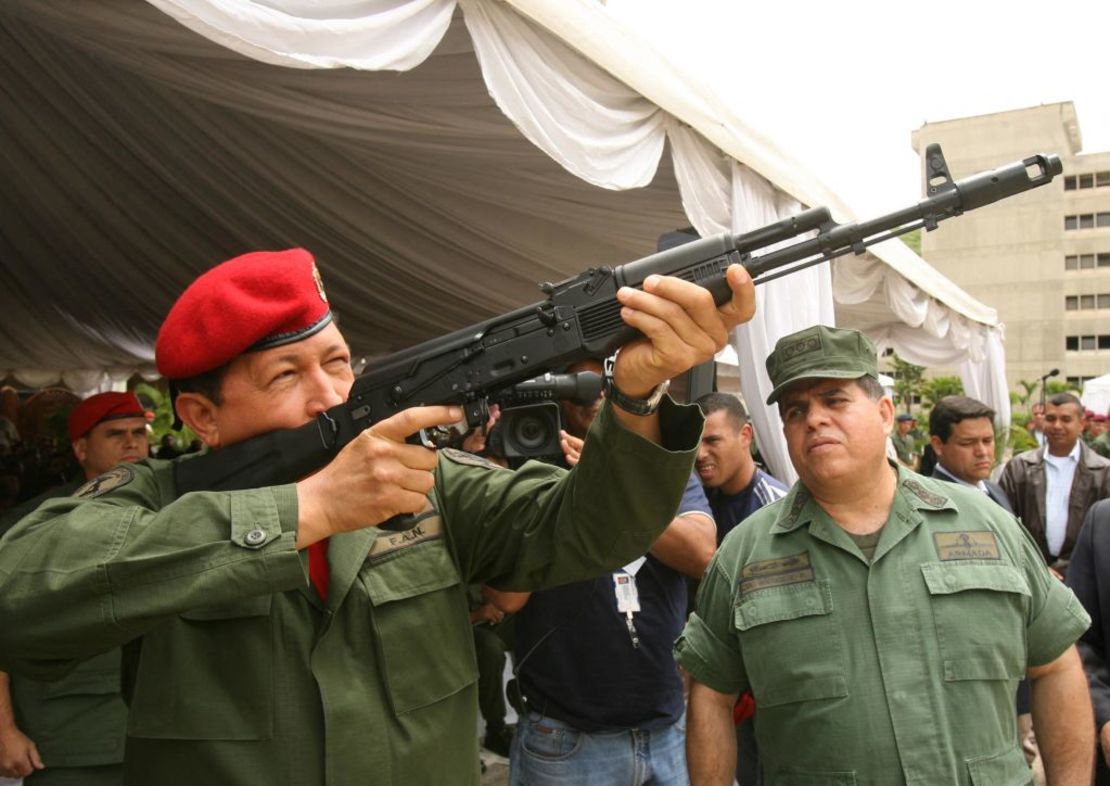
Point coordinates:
[(199, 413), (938, 446), (81, 449), (886, 410), (747, 434)]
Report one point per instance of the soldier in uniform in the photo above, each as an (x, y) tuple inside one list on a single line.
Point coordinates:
[(71, 731), (257, 654), (881, 619)]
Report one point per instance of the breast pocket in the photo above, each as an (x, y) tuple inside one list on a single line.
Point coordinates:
[(979, 612), (208, 675), (775, 625), (420, 618)]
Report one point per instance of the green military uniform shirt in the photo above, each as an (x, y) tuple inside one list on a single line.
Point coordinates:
[(901, 671), (79, 720), (239, 674)]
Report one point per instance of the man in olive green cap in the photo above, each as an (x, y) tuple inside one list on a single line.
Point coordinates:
[(881, 619)]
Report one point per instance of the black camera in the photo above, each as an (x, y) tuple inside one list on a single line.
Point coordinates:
[(530, 421)]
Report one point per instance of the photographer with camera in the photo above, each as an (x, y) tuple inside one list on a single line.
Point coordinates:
[(593, 657)]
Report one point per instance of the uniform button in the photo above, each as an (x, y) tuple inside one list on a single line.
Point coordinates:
[(949, 579), (811, 603), (256, 537)]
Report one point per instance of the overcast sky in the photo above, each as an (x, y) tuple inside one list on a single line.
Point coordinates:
[(841, 85)]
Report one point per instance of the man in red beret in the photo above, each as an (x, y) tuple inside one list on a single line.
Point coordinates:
[(280, 635), (72, 730)]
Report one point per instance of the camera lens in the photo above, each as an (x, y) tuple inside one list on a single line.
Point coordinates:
[(530, 432)]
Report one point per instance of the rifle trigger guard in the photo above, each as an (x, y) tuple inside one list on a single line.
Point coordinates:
[(329, 429)]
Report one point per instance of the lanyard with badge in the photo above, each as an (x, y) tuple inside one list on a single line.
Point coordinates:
[(628, 599)]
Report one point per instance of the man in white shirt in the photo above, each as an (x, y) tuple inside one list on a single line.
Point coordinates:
[(1051, 488)]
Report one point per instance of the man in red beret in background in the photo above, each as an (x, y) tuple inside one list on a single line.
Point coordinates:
[(279, 635), (73, 730)]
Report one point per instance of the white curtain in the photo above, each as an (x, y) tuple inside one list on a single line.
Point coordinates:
[(721, 195)]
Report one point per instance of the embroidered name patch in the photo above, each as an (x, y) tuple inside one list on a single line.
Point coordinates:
[(966, 545), (428, 526), (110, 480), (776, 572)]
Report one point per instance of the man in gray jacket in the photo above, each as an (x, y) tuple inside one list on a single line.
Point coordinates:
[(1052, 487)]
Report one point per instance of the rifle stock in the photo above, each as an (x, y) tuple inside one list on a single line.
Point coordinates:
[(579, 319)]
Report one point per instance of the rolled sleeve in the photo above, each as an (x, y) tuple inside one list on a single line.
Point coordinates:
[(1056, 618), (1059, 625), (708, 648)]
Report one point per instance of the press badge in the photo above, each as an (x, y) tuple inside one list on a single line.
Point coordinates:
[(628, 599), (628, 602)]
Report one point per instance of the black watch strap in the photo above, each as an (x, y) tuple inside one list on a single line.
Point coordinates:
[(633, 406)]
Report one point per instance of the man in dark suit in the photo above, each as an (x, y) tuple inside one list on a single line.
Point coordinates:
[(1089, 578), (961, 431)]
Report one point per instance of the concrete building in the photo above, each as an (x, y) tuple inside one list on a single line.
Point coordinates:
[(1041, 258)]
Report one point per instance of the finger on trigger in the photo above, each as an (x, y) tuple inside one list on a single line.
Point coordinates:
[(409, 421)]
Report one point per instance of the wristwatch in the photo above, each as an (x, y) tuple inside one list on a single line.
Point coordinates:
[(633, 406)]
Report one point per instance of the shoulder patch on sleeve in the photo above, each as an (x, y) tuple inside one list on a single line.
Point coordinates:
[(469, 459), (109, 481), (925, 495)]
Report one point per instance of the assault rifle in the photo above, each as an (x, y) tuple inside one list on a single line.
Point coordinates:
[(579, 319)]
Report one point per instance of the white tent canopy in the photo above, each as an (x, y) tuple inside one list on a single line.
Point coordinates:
[(1096, 394), (440, 158)]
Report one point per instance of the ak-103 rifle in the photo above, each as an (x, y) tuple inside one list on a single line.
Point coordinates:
[(580, 319)]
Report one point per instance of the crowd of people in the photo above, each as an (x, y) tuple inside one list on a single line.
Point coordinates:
[(672, 613)]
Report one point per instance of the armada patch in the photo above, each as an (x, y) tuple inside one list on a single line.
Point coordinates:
[(966, 545), (109, 481), (428, 526), (923, 494), (469, 459), (794, 569)]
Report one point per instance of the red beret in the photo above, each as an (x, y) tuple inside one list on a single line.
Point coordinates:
[(101, 407), (255, 301)]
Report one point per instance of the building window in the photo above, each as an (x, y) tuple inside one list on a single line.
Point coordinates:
[(1087, 343), (1079, 382), (1071, 343), (1086, 302), (1071, 262), (1086, 220), (1104, 342), (1089, 180), (1104, 260), (1071, 222), (1086, 261), (1071, 303), (1103, 220)]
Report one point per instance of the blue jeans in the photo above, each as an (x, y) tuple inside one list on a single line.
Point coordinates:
[(548, 752)]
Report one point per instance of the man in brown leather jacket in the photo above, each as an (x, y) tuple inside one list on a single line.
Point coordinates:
[(1052, 487)]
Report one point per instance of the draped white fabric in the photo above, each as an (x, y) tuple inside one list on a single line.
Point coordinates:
[(368, 34), (721, 195), (138, 153), (568, 107)]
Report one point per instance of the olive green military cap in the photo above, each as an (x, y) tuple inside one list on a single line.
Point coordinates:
[(820, 352)]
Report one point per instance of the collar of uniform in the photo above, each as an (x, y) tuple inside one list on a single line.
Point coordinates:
[(796, 510), (920, 493)]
